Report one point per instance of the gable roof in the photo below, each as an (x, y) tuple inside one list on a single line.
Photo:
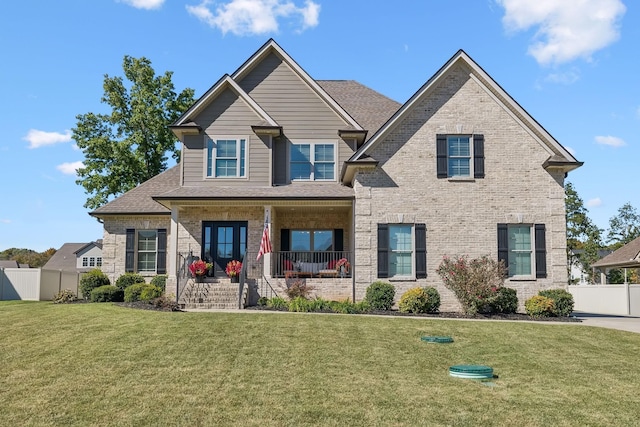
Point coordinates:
[(6, 263), (626, 256), (558, 155), (65, 257)]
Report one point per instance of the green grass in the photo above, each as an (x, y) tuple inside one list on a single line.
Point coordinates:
[(99, 364)]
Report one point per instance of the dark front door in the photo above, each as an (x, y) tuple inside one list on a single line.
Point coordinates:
[(223, 241)]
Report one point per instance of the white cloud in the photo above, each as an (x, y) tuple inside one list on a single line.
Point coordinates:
[(612, 141), (594, 203), (565, 78), (246, 17), (5, 221), (144, 4), (70, 168), (40, 138), (566, 30)]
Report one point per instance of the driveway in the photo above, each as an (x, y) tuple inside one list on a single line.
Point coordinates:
[(623, 323)]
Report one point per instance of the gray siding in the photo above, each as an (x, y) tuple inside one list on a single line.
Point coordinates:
[(227, 116)]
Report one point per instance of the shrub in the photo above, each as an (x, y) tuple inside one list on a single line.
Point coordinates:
[(263, 301), (91, 280), (539, 306), (150, 292), (160, 281), (278, 303), (348, 307), (420, 300), (165, 302), (128, 279), (64, 296), (301, 305), (107, 293), (562, 301), (505, 301), (473, 282), (298, 289), (380, 295)]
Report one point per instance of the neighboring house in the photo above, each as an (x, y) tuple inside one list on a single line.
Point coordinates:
[(11, 264), (339, 171), (577, 273), (77, 257), (626, 258)]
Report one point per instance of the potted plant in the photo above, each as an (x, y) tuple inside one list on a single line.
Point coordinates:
[(233, 270), (343, 266), (198, 270)]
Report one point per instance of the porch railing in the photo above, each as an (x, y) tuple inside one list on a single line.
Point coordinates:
[(311, 263)]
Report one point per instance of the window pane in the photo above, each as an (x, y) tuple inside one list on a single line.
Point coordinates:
[(226, 167), (520, 251), (242, 157), (400, 264), (459, 146), (99, 261), (323, 153), (225, 242), (243, 240), (147, 261), (301, 171), (323, 171), (147, 240), (300, 153), (226, 148), (459, 167), (300, 240), (401, 246), (400, 237), (323, 240), (209, 157)]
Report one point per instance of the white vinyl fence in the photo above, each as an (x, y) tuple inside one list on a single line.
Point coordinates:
[(35, 284), (621, 300)]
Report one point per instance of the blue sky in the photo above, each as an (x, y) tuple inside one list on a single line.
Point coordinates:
[(571, 65)]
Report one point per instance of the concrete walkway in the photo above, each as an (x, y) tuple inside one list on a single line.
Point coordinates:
[(623, 323)]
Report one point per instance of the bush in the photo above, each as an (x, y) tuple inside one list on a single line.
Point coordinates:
[(300, 304), (562, 301), (150, 292), (539, 306), (420, 300), (505, 301), (160, 281), (348, 307), (278, 303), (107, 293), (263, 301), (64, 296), (298, 289), (474, 282), (164, 302), (380, 295), (91, 280), (128, 279)]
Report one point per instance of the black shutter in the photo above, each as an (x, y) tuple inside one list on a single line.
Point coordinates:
[(129, 259), (441, 155), (161, 261), (285, 238), (383, 250), (478, 156), (338, 240), (421, 251), (541, 251), (503, 245)]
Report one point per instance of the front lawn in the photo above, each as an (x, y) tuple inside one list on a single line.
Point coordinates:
[(100, 364)]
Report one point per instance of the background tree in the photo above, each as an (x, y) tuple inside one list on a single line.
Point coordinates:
[(623, 227), (584, 238), (27, 256), (130, 145)]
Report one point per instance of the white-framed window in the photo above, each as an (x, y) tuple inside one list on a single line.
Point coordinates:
[(92, 261), (85, 261), (522, 248), (459, 156), (226, 158), (99, 261), (147, 244), (313, 161), (401, 250)]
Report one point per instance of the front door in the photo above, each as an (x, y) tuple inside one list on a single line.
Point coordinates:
[(223, 241)]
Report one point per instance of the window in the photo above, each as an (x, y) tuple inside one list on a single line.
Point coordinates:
[(146, 251), (85, 261), (226, 158), (312, 162), (312, 240), (99, 261), (460, 156), (92, 261), (522, 248), (402, 251)]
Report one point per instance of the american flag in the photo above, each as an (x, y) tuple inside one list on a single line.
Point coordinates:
[(265, 243)]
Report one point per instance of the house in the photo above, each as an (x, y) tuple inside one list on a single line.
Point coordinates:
[(76, 257), (626, 258), (337, 170), (11, 264), (577, 273)]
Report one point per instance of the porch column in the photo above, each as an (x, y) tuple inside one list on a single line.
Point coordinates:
[(266, 258), (172, 255)]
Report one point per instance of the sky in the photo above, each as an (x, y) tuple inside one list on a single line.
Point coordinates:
[(573, 65)]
